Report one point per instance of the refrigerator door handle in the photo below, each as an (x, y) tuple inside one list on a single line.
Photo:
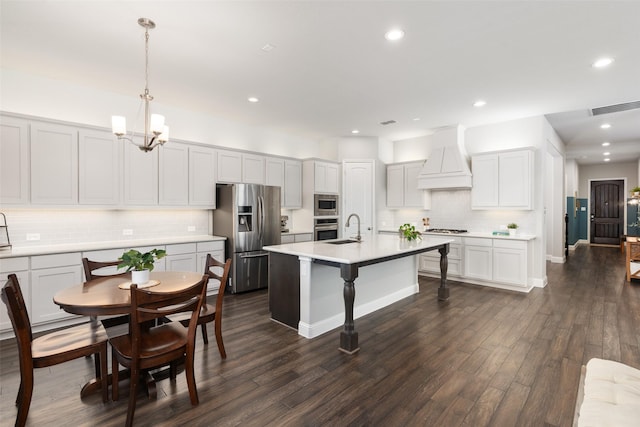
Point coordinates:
[(262, 219), (255, 256)]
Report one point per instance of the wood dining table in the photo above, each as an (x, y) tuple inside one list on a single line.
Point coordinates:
[(110, 295)]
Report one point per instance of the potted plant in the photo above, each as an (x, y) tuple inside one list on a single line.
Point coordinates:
[(635, 191), (409, 232), (512, 228), (140, 264)]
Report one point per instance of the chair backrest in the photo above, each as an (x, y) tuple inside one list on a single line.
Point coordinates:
[(17, 310), (147, 305), (91, 266), (219, 271)]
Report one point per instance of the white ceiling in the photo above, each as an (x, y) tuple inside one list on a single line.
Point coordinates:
[(331, 70)]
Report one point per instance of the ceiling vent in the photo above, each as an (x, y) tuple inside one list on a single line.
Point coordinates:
[(388, 122), (615, 108)]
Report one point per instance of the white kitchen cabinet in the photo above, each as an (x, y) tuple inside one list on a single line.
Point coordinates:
[(510, 262), (140, 176), (181, 257), (14, 161), (303, 237), (430, 261), (50, 274), (402, 186), (292, 184), (326, 178), (274, 172), (173, 174), (54, 164), (216, 249), (252, 169), (287, 238), (503, 180), (478, 258), (202, 177), (229, 168), (19, 267), (100, 168)]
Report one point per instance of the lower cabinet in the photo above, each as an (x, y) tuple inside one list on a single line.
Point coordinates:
[(216, 249), (478, 258), (19, 267), (497, 260), (50, 274), (296, 238), (181, 257), (430, 261)]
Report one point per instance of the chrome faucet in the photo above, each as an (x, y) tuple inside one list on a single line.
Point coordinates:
[(358, 237)]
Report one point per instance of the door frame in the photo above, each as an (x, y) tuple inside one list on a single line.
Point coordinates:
[(624, 211)]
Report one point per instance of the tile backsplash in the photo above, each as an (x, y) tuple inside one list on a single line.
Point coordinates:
[(60, 226)]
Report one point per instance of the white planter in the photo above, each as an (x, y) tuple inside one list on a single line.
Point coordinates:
[(512, 231), (139, 277)]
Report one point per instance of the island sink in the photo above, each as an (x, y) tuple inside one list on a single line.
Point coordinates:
[(342, 242)]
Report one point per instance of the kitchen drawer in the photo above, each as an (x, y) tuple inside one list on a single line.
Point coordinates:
[(432, 265), (289, 238), (305, 237), (478, 241), (56, 260), (11, 265), (217, 245), (509, 244), (103, 255), (181, 248), (455, 252)]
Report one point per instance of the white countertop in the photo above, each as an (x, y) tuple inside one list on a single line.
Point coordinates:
[(112, 244), (376, 247), (469, 234)]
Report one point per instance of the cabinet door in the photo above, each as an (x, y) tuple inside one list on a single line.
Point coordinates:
[(510, 266), (484, 193), (182, 262), (274, 172), (14, 161), (202, 177), (413, 197), (54, 164), (45, 283), (326, 178), (304, 237), (173, 176), (395, 186), (292, 184), (100, 168), (140, 176), (252, 169), (213, 285), (478, 262), (515, 182), (229, 166)]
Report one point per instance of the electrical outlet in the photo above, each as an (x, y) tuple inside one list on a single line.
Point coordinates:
[(191, 228), (127, 232), (33, 236)]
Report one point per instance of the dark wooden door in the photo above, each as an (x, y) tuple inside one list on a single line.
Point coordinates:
[(607, 211)]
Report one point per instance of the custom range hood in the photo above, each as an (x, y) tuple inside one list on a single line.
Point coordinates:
[(447, 166)]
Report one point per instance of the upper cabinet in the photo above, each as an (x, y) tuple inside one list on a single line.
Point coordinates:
[(252, 169), (286, 174), (100, 168), (402, 186), (326, 177), (173, 174), (14, 161), (202, 177), (503, 180), (140, 176), (229, 166), (54, 164)]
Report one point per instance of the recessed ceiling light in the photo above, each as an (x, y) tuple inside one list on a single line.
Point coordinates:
[(393, 35), (268, 47), (605, 126), (607, 159), (602, 62), (606, 144), (416, 119), (253, 99), (480, 103), (606, 154), (355, 131)]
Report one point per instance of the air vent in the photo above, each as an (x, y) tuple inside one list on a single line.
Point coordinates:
[(615, 108), (388, 122)]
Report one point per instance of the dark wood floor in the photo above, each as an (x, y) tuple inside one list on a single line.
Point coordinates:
[(487, 357)]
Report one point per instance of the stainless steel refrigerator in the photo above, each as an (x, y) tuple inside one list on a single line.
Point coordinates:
[(248, 215)]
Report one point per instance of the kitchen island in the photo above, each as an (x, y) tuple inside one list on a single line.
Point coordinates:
[(305, 293)]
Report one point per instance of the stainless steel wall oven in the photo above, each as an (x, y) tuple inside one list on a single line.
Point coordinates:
[(325, 228)]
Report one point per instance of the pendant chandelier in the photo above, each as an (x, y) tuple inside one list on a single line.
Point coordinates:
[(155, 132)]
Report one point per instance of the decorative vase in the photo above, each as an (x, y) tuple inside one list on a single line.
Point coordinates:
[(139, 277), (512, 231)]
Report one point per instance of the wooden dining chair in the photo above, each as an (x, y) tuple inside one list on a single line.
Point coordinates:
[(147, 346), (115, 324), (51, 349), (210, 312)]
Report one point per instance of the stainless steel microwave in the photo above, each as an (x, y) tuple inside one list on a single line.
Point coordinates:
[(325, 204)]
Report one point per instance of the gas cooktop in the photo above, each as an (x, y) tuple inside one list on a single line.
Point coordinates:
[(445, 231)]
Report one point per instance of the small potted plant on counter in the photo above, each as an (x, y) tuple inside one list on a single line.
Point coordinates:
[(635, 192), (512, 228), (409, 232), (140, 264)]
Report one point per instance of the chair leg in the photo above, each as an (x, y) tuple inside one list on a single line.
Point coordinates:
[(114, 376), (133, 393), (25, 393), (20, 392), (103, 375), (218, 330), (205, 336), (173, 369), (191, 379)]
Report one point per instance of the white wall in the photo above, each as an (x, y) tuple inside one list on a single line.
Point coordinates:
[(627, 170), (571, 177)]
